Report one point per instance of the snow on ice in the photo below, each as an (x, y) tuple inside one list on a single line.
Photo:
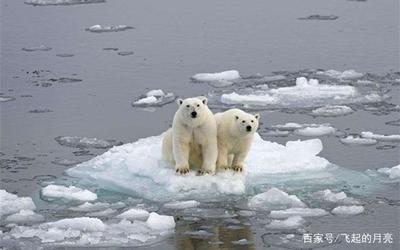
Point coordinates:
[(70, 193)]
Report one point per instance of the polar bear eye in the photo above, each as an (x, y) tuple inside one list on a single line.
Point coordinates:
[(252, 121), (243, 121), (187, 106), (198, 105)]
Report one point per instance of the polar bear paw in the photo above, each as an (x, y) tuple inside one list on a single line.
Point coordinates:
[(238, 168), (204, 172), (182, 170)]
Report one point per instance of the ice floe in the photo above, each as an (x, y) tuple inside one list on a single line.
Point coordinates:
[(274, 198), (112, 28), (339, 197), (6, 98), (393, 173), (154, 98), (358, 141), (347, 74), (298, 211), (292, 222), (241, 242), (37, 48), (315, 131), (306, 93), (84, 142), (70, 193), (24, 216), (134, 214), (182, 204), (229, 75), (160, 222), (348, 210), (332, 110), (378, 137), (130, 167), (61, 2), (11, 203)]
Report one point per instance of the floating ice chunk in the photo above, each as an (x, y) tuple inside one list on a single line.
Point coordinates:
[(289, 126), (274, 199), (292, 222), (61, 2), (315, 131), (6, 98), (99, 29), (229, 75), (241, 242), (358, 141), (298, 211), (65, 162), (307, 93), (104, 213), (348, 210), (11, 204), (125, 53), (332, 110), (201, 234), (182, 204), (85, 224), (347, 74), (154, 98), (134, 214), (38, 48), (160, 222), (24, 216), (276, 133), (131, 167), (340, 197), (393, 172), (70, 193), (390, 138), (84, 142), (319, 17), (210, 213), (90, 207)]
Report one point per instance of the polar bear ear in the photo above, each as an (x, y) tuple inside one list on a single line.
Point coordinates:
[(203, 99), (179, 101), (257, 116)]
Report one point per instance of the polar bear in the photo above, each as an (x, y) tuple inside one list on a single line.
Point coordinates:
[(192, 140), (236, 130)]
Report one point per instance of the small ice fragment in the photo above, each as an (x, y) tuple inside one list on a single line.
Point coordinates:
[(70, 193), (292, 222), (246, 213), (84, 142), (274, 199), (240, 242), (348, 210), (393, 172), (339, 197), (332, 110), (11, 203), (358, 141), (276, 133), (182, 204), (390, 138), (347, 74), (104, 213), (65, 162), (303, 212), (315, 131), (319, 17), (288, 126), (146, 100), (90, 207), (134, 214), (24, 216), (155, 92), (125, 53), (61, 2), (38, 48), (65, 55), (160, 222), (229, 75), (112, 28), (6, 98)]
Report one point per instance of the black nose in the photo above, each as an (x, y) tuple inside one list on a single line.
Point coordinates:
[(248, 128), (193, 114)]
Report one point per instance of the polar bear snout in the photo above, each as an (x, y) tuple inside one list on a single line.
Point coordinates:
[(193, 114), (248, 128)]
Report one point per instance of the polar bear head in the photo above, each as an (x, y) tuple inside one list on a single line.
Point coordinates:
[(193, 111), (245, 123)]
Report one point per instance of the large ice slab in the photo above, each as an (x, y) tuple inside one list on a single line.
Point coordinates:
[(137, 169), (306, 93)]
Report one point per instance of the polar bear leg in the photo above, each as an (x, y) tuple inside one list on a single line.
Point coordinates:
[(167, 148), (222, 161), (210, 154), (181, 155), (238, 159)]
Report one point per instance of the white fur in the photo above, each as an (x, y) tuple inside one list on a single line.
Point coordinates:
[(192, 142), (234, 140)]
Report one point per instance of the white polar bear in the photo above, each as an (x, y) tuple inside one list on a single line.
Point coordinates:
[(192, 140), (236, 130)]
